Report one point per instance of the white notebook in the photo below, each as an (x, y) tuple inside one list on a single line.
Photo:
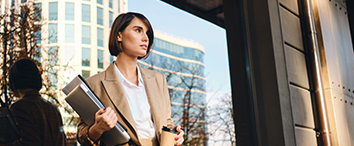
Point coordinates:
[(84, 101)]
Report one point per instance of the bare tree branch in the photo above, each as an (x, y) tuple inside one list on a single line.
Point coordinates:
[(21, 37)]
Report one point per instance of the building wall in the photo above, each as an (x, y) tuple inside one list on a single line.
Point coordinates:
[(337, 60), (338, 70), (297, 64), (80, 29), (337, 67), (83, 32), (271, 72)]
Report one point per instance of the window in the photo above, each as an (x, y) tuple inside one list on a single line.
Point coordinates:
[(110, 4), (100, 37), (52, 33), (38, 33), (86, 13), (53, 11), (118, 6), (100, 58), (86, 56), (86, 34), (69, 33), (38, 56), (53, 56), (156, 59), (38, 11), (69, 56), (53, 79), (85, 74), (110, 19), (99, 2), (69, 11), (99, 16)]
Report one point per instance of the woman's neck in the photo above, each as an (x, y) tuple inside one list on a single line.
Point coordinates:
[(23, 92), (128, 67)]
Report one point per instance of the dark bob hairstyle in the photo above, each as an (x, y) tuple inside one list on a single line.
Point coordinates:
[(24, 74), (119, 25)]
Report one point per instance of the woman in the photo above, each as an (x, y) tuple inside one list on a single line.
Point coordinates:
[(138, 98), (39, 121)]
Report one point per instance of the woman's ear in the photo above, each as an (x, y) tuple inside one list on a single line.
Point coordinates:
[(119, 37)]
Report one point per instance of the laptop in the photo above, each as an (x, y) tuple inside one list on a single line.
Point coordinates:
[(86, 103)]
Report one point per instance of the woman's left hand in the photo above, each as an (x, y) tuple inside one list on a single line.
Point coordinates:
[(179, 138)]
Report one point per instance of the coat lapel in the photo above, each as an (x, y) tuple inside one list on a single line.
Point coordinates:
[(152, 87), (116, 94)]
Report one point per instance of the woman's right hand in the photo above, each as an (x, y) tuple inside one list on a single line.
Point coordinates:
[(105, 120)]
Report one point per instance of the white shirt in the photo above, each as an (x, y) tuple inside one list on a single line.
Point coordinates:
[(139, 105)]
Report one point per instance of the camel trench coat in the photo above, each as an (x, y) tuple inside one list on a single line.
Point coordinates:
[(108, 88)]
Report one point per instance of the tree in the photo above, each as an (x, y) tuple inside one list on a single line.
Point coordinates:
[(220, 117), (21, 37), (193, 118), (188, 105)]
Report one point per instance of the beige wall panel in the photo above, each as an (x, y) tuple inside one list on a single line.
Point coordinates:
[(291, 29), (341, 3), (340, 63), (350, 117), (305, 137), (302, 107), (329, 45), (331, 114), (341, 119), (296, 67), (291, 4), (348, 52), (339, 37)]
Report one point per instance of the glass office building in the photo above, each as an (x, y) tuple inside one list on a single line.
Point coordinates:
[(80, 30), (181, 61)]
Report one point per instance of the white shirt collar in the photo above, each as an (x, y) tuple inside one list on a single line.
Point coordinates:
[(123, 80)]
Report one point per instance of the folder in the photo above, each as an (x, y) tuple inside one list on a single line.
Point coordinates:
[(85, 102)]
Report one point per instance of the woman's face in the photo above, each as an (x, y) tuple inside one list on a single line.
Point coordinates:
[(134, 40)]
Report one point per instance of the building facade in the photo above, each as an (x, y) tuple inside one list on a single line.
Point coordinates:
[(181, 61), (80, 30)]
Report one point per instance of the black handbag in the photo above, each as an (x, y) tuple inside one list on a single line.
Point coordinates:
[(8, 128)]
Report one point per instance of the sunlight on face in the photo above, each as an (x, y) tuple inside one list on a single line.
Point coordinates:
[(134, 39)]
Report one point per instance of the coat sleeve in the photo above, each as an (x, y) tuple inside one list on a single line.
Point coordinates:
[(167, 101), (82, 135)]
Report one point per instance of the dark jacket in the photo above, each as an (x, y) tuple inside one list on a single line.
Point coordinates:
[(39, 121)]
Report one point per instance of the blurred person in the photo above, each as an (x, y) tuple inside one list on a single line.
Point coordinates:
[(39, 121), (136, 97)]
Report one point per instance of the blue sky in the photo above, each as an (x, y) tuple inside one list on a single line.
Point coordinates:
[(171, 20)]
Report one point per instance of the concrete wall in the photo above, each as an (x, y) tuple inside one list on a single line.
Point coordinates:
[(337, 59), (298, 75), (271, 73)]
